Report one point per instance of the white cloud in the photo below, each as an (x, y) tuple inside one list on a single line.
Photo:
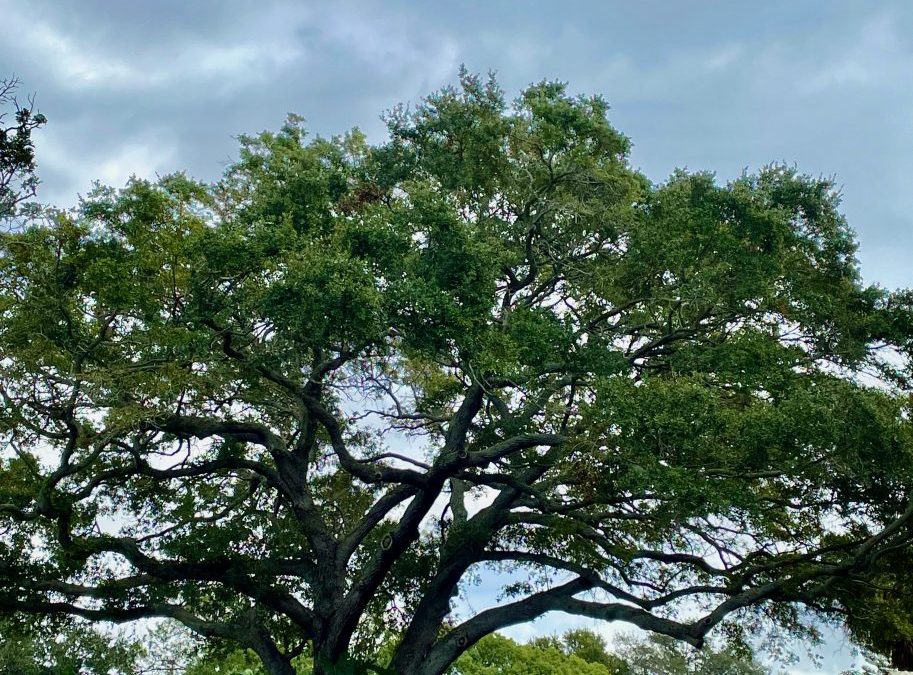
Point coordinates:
[(140, 159), (146, 155), (723, 58), (626, 79), (75, 64), (253, 48), (252, 51)]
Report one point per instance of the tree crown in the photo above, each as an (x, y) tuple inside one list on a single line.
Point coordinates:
[(304, 406)]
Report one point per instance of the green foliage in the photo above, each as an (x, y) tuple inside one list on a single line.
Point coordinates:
[(72, 649), (498, 655), (301, 409), (236, 662), (582, 651), (576, 652), (661, 655)]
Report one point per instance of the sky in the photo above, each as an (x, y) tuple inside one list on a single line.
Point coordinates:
[(149, 88)]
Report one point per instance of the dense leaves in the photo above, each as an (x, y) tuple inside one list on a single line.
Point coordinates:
[(303, 408)]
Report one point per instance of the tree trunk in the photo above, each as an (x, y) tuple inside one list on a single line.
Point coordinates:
[(902, 655), (326, 659), (278, 665), (274, 661)]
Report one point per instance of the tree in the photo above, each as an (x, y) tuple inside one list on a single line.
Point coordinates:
[(18, 180), (303, 408)]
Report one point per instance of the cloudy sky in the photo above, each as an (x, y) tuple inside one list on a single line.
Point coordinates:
[(146, 87), (153, 87)]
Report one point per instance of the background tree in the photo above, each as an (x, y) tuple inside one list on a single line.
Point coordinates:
[(578, 652), (300, 409), (663, 655), (584, 644), (55, 648), (18, 180)]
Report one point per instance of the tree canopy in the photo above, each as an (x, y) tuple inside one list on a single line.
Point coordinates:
[(301, 409)]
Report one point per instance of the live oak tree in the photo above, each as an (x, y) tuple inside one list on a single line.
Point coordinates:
[(303, 408)]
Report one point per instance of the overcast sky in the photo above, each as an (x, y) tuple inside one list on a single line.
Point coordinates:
[(153, 87)]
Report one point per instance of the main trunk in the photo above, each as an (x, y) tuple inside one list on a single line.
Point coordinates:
[(275, 663), (902, 655)]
